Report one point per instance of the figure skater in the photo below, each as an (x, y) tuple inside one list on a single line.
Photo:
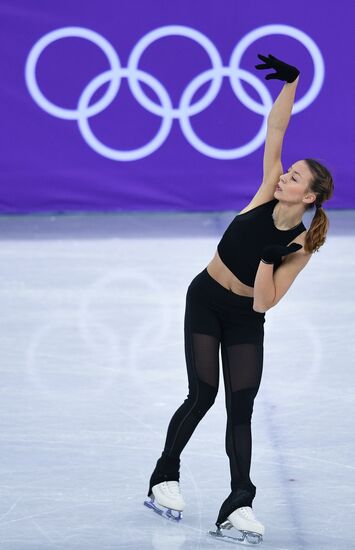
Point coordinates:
[(257, 259)]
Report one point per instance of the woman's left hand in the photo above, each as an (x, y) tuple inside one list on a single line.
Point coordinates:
[(272, 253)]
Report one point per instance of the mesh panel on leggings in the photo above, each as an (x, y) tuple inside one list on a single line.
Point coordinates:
[(242, 370), (205, 349), (245, 363)]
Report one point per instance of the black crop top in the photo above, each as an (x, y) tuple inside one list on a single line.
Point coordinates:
[(244, 239)]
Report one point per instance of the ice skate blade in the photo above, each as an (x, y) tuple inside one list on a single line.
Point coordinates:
[(167, 513), (246, 538)]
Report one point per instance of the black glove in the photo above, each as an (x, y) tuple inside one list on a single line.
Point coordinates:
[(283, 70), (272, 252)]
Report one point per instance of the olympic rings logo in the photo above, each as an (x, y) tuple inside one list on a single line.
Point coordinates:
[(165, 109)]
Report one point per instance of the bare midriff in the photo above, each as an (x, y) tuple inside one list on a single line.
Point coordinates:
[(220, 272)]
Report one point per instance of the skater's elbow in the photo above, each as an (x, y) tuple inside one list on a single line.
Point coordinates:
[(261, 308)]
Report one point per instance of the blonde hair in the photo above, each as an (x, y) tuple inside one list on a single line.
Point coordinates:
[(322, 185)]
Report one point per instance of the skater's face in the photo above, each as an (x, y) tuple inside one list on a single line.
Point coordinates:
[(293, 186)]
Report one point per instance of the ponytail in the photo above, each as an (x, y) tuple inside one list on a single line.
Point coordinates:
[(322, 185)]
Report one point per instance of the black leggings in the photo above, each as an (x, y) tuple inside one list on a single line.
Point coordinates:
[(216, 316)]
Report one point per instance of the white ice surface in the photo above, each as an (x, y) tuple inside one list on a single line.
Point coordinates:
[(92, 368)]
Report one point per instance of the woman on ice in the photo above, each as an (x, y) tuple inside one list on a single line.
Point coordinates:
[(257, 259)]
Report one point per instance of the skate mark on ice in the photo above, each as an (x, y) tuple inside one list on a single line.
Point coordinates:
[(283, 475), (12, 507), (47, 537)]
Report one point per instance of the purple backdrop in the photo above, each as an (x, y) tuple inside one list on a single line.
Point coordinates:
[(96, 119)]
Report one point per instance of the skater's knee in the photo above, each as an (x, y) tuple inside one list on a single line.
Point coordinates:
[(204, 400), (242, 405)]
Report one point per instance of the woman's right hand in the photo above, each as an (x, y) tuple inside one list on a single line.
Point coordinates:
[(286, 72)]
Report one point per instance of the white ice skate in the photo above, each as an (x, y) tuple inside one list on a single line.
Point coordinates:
[(166, 500), (250, 530)]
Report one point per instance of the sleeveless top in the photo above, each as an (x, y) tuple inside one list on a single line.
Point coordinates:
[(242, 243)]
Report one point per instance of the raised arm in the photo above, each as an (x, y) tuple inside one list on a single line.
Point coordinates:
[(277, 123)]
